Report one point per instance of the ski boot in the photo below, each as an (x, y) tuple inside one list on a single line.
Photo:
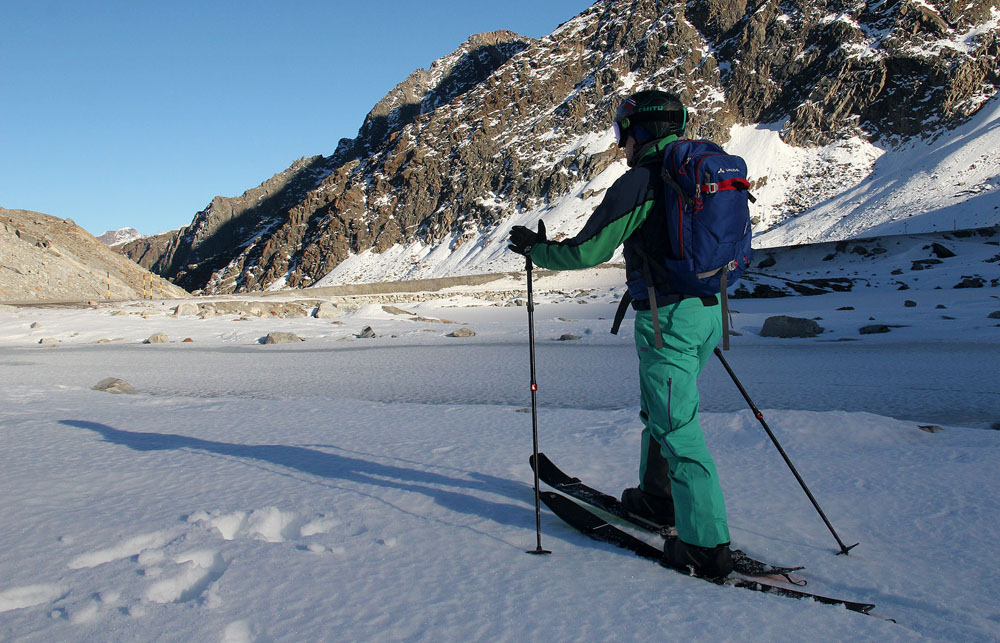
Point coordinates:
[(656, 510), (712, 563)]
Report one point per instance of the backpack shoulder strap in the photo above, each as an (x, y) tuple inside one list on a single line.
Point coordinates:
[(673, 185)]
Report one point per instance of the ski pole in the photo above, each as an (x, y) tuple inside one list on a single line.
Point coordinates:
[(844, 549), (534, 411)]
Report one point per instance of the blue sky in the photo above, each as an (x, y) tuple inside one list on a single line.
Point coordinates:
[(136, 113)]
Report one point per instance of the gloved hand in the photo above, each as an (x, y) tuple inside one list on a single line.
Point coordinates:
[(522, 239)]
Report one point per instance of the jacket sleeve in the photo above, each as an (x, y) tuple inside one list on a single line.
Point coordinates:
[(624, 208)]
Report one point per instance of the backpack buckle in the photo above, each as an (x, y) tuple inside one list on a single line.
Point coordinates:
[(710, 188)]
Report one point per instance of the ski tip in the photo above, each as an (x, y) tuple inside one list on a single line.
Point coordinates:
[(866, 608)]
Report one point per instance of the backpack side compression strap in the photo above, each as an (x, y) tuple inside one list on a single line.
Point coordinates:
[(724, 298), (621, 312), (653, 309)]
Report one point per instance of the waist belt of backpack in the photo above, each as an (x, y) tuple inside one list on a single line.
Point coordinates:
[(644, 304), (651, 305)]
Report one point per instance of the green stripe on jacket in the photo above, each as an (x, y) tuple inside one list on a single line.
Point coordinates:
[(622, 211), (595, 250)]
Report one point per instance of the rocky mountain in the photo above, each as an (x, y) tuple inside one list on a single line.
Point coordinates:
[(118, 237), (45, 258), (507, 129)]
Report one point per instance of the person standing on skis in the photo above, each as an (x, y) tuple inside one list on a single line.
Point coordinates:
[(678, 481)]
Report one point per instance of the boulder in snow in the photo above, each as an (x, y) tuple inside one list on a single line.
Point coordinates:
[(277, 337), (327, 310), (114, 385), (974, 281), (785, 326), (186, 308), (941, 252)]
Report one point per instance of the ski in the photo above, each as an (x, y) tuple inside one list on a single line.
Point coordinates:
[(553, 476), (590, 524)]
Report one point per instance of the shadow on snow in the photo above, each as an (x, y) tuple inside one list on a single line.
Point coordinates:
[(448, 491)]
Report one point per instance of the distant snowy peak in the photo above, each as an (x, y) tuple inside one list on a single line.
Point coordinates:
[(118, 237)]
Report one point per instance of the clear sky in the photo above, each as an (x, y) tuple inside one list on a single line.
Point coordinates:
[(138, 112)]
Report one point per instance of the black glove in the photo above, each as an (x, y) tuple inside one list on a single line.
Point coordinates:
[(522, 239)]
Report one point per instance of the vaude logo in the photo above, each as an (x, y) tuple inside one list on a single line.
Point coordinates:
[(725, 170)]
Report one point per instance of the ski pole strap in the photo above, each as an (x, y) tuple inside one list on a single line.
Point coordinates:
[(620, 313)]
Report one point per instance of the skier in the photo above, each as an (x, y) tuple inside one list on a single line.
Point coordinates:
[(678, 482)]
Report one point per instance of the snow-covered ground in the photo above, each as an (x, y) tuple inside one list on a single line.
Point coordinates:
[(352, 489)]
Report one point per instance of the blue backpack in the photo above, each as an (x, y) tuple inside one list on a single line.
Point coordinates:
[(708, 228), (708, 221), (708, 217)]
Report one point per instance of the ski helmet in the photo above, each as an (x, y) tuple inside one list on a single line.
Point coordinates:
[(649, 115)]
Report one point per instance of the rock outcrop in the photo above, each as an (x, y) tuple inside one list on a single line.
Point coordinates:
[(505, 124), (44, 258)]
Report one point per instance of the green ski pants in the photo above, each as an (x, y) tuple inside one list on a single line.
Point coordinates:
[(668, 379)]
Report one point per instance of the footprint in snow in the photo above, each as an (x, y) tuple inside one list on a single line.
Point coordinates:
[(198, 571), (186, 577), (29, 596)]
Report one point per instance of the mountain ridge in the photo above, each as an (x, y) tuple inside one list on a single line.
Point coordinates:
[(507, 129), (45, 258)]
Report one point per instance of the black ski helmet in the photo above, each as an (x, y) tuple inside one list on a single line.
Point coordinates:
[(649, 115)]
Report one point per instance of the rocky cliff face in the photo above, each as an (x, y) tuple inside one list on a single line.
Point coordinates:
[(506, 125), (833, 69)]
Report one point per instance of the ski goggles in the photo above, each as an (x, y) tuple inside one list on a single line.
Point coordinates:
[(616, 126), (676, 116)]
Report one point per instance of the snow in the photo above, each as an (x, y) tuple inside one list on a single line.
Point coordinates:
[(343, 488), (946, 183)]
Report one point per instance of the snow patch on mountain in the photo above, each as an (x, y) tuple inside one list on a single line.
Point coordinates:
[(480, 251), (947, 182), (788, 180)]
